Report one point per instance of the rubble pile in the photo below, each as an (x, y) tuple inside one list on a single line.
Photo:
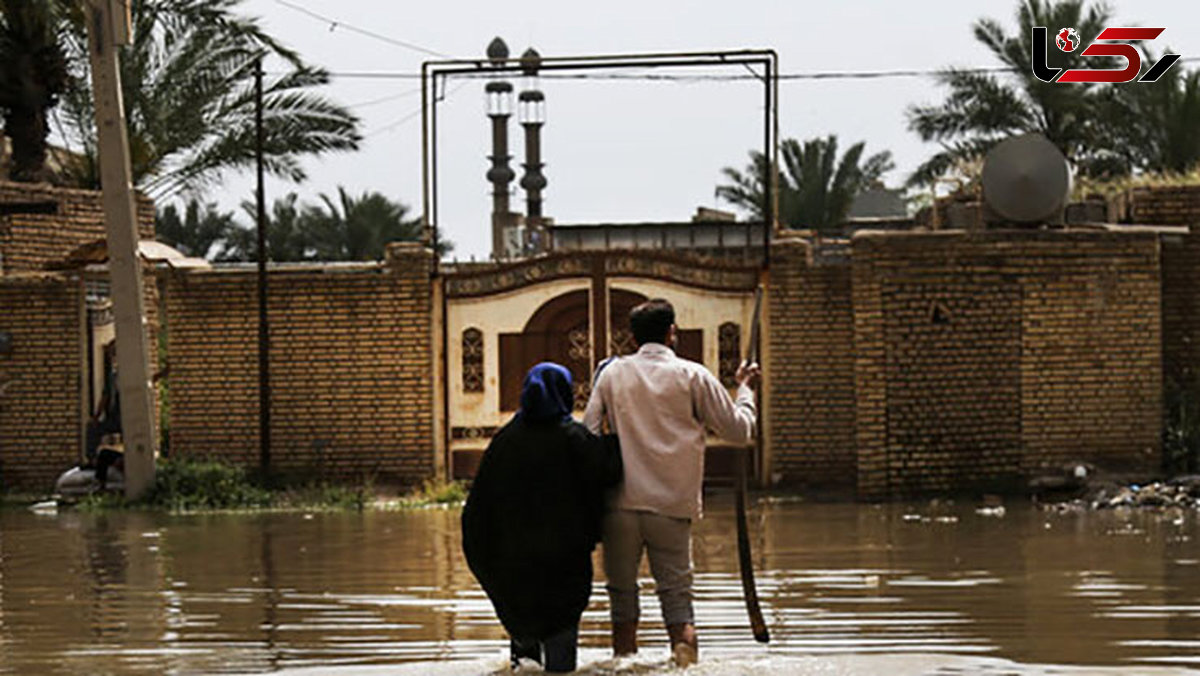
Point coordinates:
[(1180, 492)]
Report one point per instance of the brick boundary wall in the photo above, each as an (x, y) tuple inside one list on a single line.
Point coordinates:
[(351, 367), (952, 330), (1092, 351), (30, 241), (1181, 310), (811, 370), (41, 410), (1165, 205)]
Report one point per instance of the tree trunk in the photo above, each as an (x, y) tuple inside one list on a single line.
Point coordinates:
[(27, 129)]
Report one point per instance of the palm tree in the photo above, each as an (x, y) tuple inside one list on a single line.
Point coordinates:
[(983, 109), (286, 237), (816, 190), (1159, 122), (359, 229), (33, 75), (188, 87), (201, 228)]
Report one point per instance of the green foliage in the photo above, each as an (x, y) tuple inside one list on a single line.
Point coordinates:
[(286, 239), (34, 74), (188, 88), (436, 492), (1107, 131), (1084, 186), (184, 485), (816, 190), (440, 491), (199, 232), (192, 485), (1159, 122), (358, 229), (322, 495), (1181, 433), (102, 502), (983, 109), (351, 229)]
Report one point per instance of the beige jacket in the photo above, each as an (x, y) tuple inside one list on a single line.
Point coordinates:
[(659, 406)]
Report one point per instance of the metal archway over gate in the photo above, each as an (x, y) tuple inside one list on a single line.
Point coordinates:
[(434, 74)]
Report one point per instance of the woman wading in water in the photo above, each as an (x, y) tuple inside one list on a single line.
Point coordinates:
[(533, 517)]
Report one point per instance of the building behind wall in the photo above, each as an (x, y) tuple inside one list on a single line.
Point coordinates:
[(52, 324)]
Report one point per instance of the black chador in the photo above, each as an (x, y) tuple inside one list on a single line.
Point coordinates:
[(533, 517)]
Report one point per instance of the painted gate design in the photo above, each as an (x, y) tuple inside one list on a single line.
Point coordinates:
[(501, 319)]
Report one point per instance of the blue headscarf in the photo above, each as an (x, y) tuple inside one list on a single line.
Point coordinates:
[(546, 395)]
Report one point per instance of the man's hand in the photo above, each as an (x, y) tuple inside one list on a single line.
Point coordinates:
[(748, 374)]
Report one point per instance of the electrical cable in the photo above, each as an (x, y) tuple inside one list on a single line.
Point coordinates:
[(334, 24), (711, 77), (394, 124)]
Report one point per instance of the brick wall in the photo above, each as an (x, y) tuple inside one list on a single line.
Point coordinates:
[(41, 413), (351, 367), (29, 241), (952, 343), (811, 370), (1091, 366), (1165, 205), (1181, 308), (981, 357)]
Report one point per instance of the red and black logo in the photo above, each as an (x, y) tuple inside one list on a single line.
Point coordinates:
[(1110, 42)]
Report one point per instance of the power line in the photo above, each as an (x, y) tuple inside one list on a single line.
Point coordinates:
[(394, 124), (708, 77), (334, 24), (669, 77), (384, 99)]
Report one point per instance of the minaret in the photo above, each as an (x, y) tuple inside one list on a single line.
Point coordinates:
[(532, 115), (499, 102)]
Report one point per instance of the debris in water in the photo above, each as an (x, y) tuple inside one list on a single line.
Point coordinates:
[(48, 508), (1170, 497)]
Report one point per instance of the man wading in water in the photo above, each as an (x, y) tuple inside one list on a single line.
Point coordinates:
[(659, 407)]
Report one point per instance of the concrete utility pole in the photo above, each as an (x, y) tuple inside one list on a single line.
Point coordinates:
[(109, 27)]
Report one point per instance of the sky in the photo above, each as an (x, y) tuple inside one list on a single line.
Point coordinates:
[(621, 151)]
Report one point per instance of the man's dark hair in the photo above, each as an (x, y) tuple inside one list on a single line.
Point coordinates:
[(651, 321)]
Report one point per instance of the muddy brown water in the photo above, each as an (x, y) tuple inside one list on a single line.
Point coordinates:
[(921, 589)]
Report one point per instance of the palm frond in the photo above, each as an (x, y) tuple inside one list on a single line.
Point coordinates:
[(816, 187), (188, 84)]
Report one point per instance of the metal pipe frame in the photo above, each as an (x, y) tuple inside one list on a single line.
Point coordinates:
[(435, 72)]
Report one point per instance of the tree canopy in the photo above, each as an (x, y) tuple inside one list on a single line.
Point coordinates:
[(1104, 130), (188, 88), (816, 188), (350, 229)]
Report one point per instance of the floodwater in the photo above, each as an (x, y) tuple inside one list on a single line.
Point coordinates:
[(846, 589)]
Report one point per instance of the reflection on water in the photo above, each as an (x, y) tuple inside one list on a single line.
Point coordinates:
[(144, 593)]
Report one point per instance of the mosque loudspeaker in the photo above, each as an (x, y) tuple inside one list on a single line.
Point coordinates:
[(1026, 181)]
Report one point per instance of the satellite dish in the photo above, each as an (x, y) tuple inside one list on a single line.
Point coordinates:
[(1026, 179)]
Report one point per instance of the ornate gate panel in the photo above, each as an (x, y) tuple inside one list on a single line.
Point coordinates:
[(502, 319), (560, 332)]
